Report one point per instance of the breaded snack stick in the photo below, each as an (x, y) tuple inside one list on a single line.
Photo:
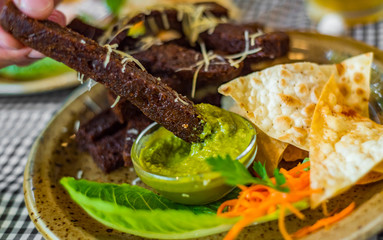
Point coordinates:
[(154, 98)]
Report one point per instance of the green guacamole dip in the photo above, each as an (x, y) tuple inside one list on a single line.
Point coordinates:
[(225, 133)]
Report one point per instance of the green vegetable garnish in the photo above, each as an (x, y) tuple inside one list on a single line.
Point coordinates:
[(45, 67), (115, 6), (306, 160), (138, 211), (235, 173)]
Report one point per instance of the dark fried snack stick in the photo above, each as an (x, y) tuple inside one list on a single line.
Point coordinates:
[(134, 127), (174, 59), (230, 38), (103, 137), (154, 98)]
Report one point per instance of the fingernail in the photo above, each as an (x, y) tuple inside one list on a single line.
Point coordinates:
[(40, 9), (35, 54), (58, 17)]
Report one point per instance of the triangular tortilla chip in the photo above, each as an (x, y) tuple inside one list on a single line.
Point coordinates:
[(353, 78), (281, 100), (371, 177), (379, 168), (269, 150), (293, 153), (344, 146)]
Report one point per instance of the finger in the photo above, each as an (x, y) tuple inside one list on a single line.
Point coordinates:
[(39, 9), (10, 57), (26, 62), (35, 55), (8, 42), (58, 17)]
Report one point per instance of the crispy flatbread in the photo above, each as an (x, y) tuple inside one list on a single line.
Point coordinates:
[(293, 153), (353, 79), (344, 146), (281, 100), (269, 150), (371, 177)]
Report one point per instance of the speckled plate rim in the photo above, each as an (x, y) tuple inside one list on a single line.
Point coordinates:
[(26, 87), (362, 232), (27, 182)]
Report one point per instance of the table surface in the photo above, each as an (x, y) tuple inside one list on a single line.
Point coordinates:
[(22, 118)]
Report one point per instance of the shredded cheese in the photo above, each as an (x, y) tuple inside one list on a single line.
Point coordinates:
[(79, 174), (249, 41), (195, 76), (132, 131), (91, 84), (115, 102), (153, 25), (204, 55), (254, 36), (136, 180), (107, 58), (120, 31), (76, 125), (124, 61), (145, 43), (244, 53), (80, 77), (180, 99), (128, 56), (165, 20), (195, 19)]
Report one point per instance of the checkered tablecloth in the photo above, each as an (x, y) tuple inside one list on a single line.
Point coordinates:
[(22, 118)]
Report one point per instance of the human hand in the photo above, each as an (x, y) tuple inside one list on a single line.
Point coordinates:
[(14, 52)]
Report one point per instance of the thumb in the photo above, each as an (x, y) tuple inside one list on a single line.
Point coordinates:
[(39, 9)]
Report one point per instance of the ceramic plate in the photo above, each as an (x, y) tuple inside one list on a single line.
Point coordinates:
[(55, 155), (14, 87)]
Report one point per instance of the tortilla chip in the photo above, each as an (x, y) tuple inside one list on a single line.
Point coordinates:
[(371, 177), (344, 146), (281, 100), (293, 153), (353, 78), (269, 150), (379, 168)]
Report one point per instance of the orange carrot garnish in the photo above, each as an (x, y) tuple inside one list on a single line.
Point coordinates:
[(324, 222), (258, 200)]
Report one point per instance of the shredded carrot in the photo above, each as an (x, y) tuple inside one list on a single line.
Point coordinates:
[(256, 201), (281, 223), (324, 209), (295, 211), (325, 222)]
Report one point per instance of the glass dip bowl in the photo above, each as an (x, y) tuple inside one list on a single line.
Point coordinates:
[(191, 189)]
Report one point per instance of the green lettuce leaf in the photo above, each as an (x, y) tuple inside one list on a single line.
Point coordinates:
[(138, 211), (45, 67)]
